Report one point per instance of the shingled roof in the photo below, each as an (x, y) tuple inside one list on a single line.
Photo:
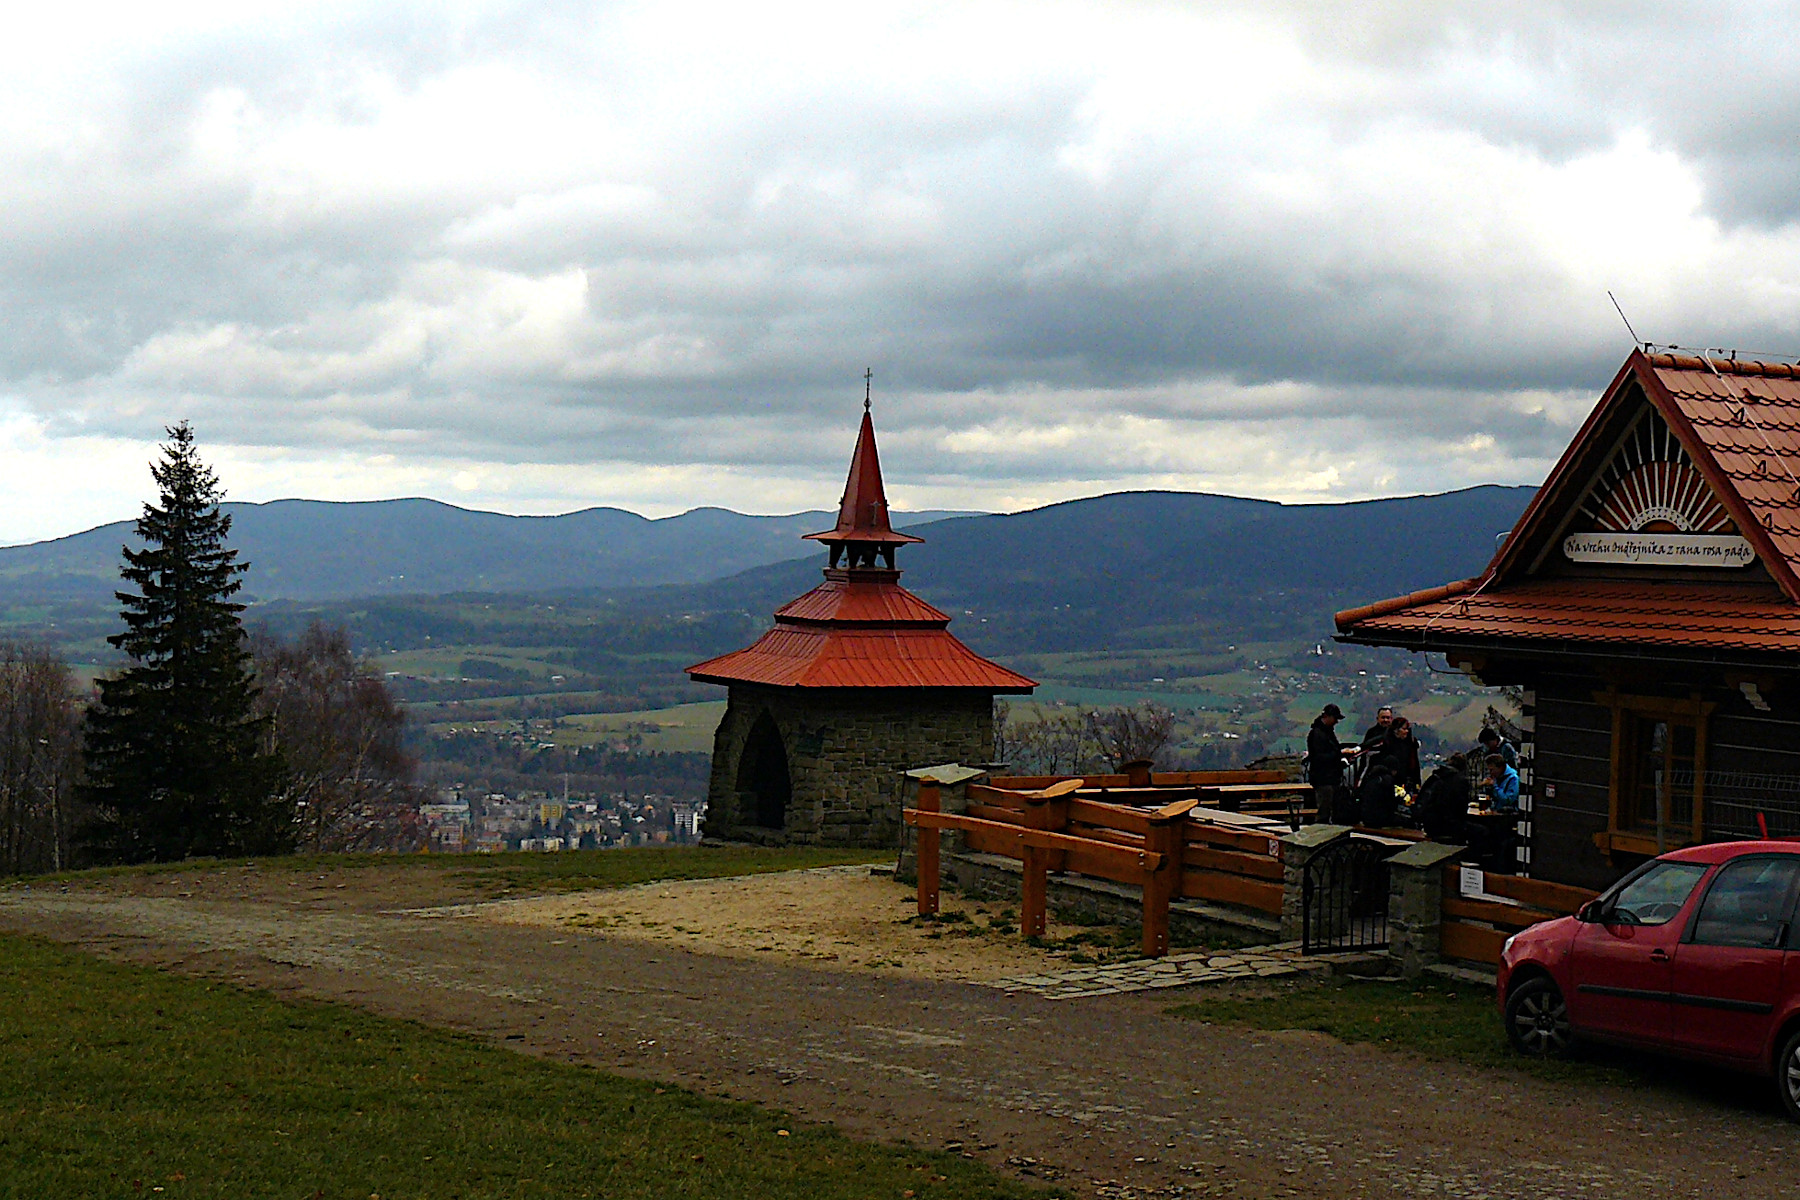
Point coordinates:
[(1738, 423), (860, 628), (860, 633)]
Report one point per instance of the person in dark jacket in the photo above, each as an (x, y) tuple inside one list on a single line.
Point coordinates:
[(1375, 734), (1444, 802), (1325, 763), (1394, 762), (1399, 753)]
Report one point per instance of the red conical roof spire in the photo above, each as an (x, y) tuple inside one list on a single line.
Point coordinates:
[(863, 512)]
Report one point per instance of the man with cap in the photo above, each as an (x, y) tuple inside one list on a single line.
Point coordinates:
[(1325, 763)]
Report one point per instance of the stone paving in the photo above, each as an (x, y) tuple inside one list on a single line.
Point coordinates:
[(1176, 970)]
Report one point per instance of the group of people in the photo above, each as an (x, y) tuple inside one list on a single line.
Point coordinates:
[(1376, 782)]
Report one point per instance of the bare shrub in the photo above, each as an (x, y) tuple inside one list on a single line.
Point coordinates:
[(336, 730), (1140, 732), (40, 758), (1055, 743)]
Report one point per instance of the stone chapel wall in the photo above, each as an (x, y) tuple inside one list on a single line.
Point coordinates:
[(845, 752)]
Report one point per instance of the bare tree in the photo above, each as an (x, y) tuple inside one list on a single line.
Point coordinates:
[(1056, 743), (337, 732), (1141, 732), (1004, 748), (40, 758)]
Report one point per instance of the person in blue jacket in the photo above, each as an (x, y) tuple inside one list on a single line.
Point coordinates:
[(1502, 786)]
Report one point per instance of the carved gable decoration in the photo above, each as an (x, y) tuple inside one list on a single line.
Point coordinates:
[(1650, 506)]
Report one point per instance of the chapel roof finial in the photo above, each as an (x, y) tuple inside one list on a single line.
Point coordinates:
[(863, 511), (868, 385)]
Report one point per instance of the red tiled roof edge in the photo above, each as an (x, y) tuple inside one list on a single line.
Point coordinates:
[(1749, 527), (962, 669), (1347, 619), (1724, 366)]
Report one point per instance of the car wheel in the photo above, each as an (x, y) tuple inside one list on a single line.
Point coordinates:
[(1537, 1020), (1787, 1075)]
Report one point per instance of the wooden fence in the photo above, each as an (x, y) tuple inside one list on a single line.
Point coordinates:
[(1474, 928), (1263, 793), (1090, 825)]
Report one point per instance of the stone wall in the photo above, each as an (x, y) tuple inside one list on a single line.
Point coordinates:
[(845, 752)]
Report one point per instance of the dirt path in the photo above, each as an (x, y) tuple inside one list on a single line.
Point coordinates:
[(1107, 1096)]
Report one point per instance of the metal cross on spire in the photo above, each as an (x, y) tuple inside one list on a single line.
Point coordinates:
[(868, 384)]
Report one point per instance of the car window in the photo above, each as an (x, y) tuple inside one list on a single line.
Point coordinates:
[(1656, 896), (1748, 903)]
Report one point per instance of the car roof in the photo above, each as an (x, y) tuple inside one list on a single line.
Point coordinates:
[(1716, 852)]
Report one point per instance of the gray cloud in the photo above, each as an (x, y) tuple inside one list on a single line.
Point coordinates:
[(640, 254)]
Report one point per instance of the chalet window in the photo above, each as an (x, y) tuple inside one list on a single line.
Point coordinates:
[(1658, 792)]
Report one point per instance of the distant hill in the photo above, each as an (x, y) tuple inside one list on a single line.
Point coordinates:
[(1154, 568), (319, 550), (1122, 573)]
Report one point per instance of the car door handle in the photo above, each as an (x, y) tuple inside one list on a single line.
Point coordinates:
[(1659, 955)]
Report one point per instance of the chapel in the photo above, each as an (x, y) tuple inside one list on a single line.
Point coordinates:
[(858, 681)]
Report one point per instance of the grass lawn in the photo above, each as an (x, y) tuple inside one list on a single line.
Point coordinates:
[(1437, 1019), (585, 870), (129, 1082), (517, 873)]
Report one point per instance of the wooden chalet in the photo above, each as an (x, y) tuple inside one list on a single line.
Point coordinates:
[(1648, 606)]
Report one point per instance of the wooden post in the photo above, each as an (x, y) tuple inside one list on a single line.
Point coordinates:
[(928, 850), (1033, 892), (1164, 838), (1167, 836), (1049, 810)]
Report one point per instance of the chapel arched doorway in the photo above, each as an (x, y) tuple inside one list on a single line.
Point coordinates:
[(763, 785)]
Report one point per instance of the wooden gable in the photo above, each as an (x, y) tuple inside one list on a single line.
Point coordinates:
[(1639, 494)]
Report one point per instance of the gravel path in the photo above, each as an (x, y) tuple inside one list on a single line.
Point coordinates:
[(1104, 1095)]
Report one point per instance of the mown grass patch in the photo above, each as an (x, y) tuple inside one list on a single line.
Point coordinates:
[(123, 1081), (587, 870), (532, 873), (1443, 1021), (1451, 1022)]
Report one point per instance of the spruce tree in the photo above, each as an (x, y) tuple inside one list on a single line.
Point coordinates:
[(174, 759)]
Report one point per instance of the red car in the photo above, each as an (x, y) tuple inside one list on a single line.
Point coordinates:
[(1694, 953)]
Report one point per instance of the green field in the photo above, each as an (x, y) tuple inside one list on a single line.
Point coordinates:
[(122, 1081), (684, 727)]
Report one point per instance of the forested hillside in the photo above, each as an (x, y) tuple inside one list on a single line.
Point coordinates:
[(318, 550)]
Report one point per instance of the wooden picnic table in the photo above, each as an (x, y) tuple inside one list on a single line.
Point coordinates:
[(1249, 822)]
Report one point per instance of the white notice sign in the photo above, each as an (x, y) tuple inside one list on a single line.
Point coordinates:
[(1660, 549), (1471, 882)]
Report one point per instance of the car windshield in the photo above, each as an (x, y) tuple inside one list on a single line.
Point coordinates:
[(1656, 896)]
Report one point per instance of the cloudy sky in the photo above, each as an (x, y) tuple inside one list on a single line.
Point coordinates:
[(540, 256)]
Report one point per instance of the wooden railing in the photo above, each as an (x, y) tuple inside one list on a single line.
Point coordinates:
[(1168, 851), (1263, 793), (1474, 929)]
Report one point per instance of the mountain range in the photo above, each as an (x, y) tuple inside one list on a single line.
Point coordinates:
[(321, 550), (1122, 572), (1153, 568)]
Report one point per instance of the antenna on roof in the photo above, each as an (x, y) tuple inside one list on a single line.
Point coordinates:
[(1640, 342), (868, 385)]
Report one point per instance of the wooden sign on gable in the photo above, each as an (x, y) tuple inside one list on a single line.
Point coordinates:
[(1650, 506)]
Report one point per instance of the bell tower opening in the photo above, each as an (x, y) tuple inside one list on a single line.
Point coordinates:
[(763, 783)]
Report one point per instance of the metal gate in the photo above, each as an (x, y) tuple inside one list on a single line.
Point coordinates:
[(1344, 898)]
